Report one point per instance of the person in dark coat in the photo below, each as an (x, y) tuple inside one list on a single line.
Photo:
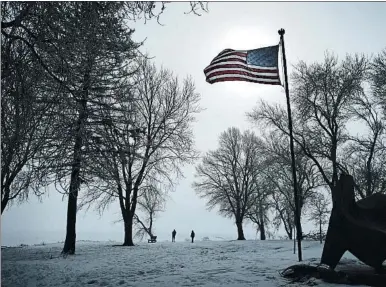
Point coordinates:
[(192, 235), (174, 235)]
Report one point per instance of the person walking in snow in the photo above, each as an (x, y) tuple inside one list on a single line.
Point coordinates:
[(174, 235), (192, 235)]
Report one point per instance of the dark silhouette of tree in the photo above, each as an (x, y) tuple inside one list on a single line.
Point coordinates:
[(279, 174), (378, 78), (322, 94), (97, 38), (258, 213), (366, 154), (283, 213), (26, 112), (85, 48), (148, 140), (227, 177)]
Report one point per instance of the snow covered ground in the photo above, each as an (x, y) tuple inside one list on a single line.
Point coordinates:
[(203, 263)]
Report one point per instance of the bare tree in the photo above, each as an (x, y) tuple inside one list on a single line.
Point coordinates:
[(378, 78), (227, 177), (283, 214), (81, 54), (104, 53), (150, 139), (84, 48), (322, 94), (151, 201), (319, 212), (25, 123), (366, 153), (258, 213), (279, 173)]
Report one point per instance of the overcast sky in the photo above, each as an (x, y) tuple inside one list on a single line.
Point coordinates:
[(186, 44)]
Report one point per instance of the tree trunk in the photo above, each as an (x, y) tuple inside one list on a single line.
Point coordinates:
[(320, 231), (128, 222), (262, 231), (368, 166), (261, 218), (3, 204), (334, 181), (69, 244), (5, 199), (288, 230), (240, 231), (301, 229), (147, 230)]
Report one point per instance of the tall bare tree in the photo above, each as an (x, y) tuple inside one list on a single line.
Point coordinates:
[(279, 173), (378, 78), (149, 140), (322, 94), (227, 177), (104, 50), (25, 122), (258, 213), (283, 214), (85, 48), (79, 46), (366, 153)]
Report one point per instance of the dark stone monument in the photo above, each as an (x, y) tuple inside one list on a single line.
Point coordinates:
[(358, 227)]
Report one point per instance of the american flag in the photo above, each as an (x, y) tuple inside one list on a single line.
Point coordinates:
[(257, 66)]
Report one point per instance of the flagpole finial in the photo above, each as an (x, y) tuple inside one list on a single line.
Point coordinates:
[(281, 32)]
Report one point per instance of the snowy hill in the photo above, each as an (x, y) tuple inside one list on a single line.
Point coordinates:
[(203, 263)]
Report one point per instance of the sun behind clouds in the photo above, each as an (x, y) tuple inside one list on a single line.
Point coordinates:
[(248, 38)]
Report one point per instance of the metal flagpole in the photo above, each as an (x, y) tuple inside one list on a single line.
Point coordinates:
[(297, 215)]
